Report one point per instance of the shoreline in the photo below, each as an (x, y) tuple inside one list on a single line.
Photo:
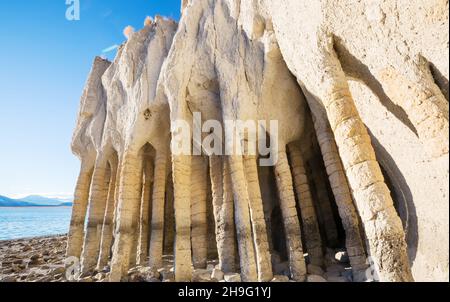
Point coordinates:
[(32, 238), (35, 259), (42, 259), (36, 206)]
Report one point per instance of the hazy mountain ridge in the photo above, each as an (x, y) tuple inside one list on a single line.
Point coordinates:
[(33, 201)]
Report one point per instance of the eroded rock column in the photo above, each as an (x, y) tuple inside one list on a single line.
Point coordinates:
[(223, 213), (310, 225), (158, 199), (424, 103), (97, 205), (129, 201), (289, 212), (383, 227), (107, 229), (81, 196), (182, 181), (199, 226), (169, 219), (343, 197), (263, 258), (242, 219), (325, 212), (145, 214)]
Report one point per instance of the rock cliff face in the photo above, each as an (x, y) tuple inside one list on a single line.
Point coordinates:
[(358, 156)]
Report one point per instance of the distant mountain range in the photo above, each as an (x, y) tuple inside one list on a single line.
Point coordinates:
[(34, 201)]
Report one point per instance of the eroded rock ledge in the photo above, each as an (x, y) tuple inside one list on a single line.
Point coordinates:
[(359, 90)]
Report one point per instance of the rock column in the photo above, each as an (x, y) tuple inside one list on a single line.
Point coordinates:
[(383, 227), (263, 258), (81, 196), (182, 203), (97, 205), (289, 212), (129, 201), (310, 225), (107, 229), (199, 225), (242, 219), (145, 214), (158, 199)]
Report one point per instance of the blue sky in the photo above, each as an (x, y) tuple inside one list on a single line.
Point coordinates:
[(44, 62)]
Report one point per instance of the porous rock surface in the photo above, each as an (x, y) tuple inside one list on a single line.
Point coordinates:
[(359, 189)]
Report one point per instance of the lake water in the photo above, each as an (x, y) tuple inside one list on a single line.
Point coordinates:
[(16, 223)]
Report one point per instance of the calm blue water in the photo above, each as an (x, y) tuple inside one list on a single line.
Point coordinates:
[(18, 223)]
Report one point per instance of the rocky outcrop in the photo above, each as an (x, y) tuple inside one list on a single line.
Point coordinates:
[(332, 179)]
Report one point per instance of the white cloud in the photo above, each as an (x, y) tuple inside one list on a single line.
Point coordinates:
[(111, 48)]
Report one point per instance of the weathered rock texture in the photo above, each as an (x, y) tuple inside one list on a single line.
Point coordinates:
[(360, 93), (33, 260)]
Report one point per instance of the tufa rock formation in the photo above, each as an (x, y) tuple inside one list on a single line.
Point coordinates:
[(360, 93)]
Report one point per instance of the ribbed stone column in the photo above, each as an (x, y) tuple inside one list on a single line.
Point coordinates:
[(242, 219), (343, 196), (107, 229), (383, 227), (97, 205), (129, 201), (289, 212), (263, 258), (313, 241), (223, 213), (145, 213), (169, 219), (81, 197), (182, 181), (199, 226), (423, 102), (158, 199), (324, 202)]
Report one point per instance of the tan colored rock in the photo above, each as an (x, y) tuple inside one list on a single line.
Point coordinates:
[(304, 197), (107, 228), (230, 277), (96, 211), (315, 278), (223, 213), (145, 210), (217, 275), (242, 220), (199, 228), (85, 141), (401, 42), (291, 223), (359, 135), (201, 275), (262, 250), (129, 201), (280, 278), (157, 223)]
